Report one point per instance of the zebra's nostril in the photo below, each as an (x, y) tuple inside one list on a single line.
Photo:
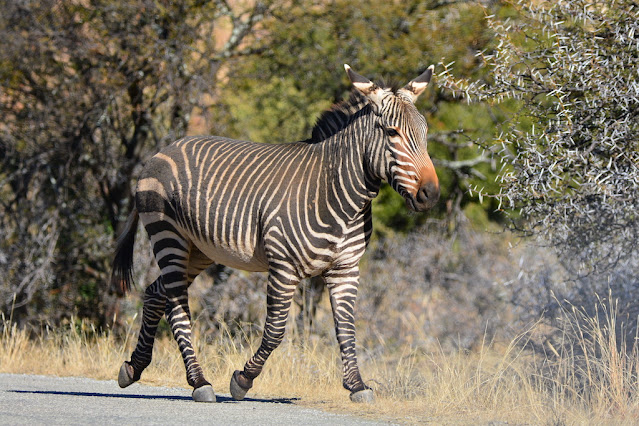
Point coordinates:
[(422, 195), (428, 194)]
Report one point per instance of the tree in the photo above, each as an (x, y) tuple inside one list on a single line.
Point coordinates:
[(89, 90), (573, 149)]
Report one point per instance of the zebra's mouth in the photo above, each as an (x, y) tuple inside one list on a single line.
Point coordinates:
[(411, 204)]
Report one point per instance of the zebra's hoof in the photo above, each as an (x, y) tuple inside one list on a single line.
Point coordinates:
[(126, 375), (204, 394), (365, 396), (238, 392)]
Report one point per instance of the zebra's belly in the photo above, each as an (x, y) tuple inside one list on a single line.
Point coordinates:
[(246, 260)]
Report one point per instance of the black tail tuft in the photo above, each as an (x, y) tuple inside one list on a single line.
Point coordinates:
[(122, 273)]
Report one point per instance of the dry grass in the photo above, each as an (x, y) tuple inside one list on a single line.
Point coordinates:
[(595, 382)]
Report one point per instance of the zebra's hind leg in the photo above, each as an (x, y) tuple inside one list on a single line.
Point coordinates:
[(179, 318), (279, 295), (154, 306)]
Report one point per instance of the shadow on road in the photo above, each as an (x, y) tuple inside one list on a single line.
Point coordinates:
[(220, 398)]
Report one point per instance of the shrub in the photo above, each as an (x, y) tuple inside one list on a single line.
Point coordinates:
[(572, 150)]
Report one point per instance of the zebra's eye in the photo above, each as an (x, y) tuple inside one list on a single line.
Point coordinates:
[(391, 132)]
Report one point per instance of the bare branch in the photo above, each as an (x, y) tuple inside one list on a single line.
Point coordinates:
[(241, 27)]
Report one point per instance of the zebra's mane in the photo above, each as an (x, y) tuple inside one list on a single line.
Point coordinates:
[(337, 117)]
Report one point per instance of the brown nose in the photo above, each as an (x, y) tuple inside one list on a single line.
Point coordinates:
[(427, 196)]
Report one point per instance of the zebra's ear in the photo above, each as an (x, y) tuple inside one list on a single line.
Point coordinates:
[(415, 87), (365, 86)]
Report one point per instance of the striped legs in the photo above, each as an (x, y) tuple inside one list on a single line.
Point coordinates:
[(177, 275), (342, 286), (179, 316), (279, 295), (154, 305), (168, 295)]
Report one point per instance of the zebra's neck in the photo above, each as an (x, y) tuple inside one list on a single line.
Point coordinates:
[(348, 164)]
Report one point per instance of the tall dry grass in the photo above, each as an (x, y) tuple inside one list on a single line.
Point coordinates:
[(590, 377)]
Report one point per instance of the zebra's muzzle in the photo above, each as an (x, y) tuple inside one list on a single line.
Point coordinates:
[(426, 197)]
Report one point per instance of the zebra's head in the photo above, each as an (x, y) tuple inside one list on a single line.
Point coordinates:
[(400, 131)]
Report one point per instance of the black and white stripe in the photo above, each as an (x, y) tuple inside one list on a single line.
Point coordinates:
[(295, 210)]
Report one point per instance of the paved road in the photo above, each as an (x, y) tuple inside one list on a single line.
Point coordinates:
[(33, 400)]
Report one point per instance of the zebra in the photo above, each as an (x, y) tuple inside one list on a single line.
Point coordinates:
[(295, 210)]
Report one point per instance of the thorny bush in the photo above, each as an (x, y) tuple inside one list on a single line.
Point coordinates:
[(572, 150)]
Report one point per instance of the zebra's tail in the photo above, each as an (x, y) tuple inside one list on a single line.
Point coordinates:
[(122, 272)]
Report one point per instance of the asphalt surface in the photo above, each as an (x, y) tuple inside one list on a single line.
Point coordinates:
[(39, 400)]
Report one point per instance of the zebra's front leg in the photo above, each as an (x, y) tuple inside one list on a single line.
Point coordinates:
[(279, 295), (154, 306), (342, 286), (179, 318)]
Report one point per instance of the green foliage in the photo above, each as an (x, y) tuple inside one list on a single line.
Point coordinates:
[(274, 111)]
